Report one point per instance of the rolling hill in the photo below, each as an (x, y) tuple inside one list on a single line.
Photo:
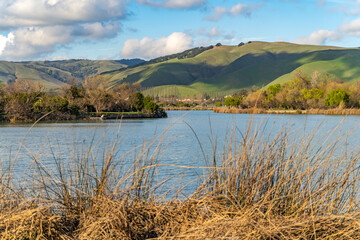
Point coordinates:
[(215, 70), (220, 69), (53, 74)]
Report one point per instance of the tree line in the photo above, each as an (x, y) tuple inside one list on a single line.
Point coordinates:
[(322, 91), (25, 100)]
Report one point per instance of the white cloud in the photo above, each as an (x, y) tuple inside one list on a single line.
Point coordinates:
[(175, 4), (27, 13), (348, 7), (215, 32), (98, 30), (319, 37), (218, 13), (243, 9), (39, 27), (352, 28), (234, 11), (151, 48), (34, 42), (60, 58), (5, 40)]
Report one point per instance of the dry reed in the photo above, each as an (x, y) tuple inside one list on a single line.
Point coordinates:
[(313, 111), (262, 187)]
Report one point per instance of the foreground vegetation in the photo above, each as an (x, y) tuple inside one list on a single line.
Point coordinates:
[(28, 101), (261, 187)]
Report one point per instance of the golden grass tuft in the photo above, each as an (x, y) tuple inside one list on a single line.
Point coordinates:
[(261, 187), (313, 111)]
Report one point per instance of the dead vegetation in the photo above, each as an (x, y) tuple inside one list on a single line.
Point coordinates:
[(262, 187)]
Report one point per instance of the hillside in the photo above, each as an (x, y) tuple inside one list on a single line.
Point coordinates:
[(220, 69), (53, 74), (214, 70)]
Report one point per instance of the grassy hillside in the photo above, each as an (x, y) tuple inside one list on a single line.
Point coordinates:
[(229, 68), (53, 74), (214, 70)]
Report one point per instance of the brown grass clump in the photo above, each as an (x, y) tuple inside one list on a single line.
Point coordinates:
[(239, 110), (32, 223), (313, 111), (261, 187)]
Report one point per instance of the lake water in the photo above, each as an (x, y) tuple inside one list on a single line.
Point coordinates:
[(185, 137)]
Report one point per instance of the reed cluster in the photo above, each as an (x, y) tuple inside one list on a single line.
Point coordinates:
[(313, 111), (260, 187)]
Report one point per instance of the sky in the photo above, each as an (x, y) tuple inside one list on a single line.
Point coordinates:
[(124, 29)]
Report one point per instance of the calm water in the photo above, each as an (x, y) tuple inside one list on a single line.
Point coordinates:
[(180, 142)]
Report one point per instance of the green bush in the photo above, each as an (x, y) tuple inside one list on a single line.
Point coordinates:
[(337, 96)]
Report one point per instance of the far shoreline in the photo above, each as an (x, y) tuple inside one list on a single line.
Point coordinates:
[(89, 117), (313, 111)]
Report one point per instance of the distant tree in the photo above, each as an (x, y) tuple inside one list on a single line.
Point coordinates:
[(273, 89), (337, 96), (233, 101), (2, 99), (59, 104), (218, 44), (137, 101), (96, 94), (241, 44), (150, 105)]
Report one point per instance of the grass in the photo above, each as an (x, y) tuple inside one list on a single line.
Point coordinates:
[(271, 186), (231, 67), (314, 111)]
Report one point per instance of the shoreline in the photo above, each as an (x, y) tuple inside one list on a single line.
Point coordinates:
[(334, 111), (90, 116)]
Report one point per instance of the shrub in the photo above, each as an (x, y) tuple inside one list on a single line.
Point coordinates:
[(337, 96)]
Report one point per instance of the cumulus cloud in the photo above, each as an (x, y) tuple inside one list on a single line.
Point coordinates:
[(5, 40), (352, 28), (319, 37), (175, 4), (27, 13), (97, 30), (234, 11), (34, 42), (151, 48), (39, 27)]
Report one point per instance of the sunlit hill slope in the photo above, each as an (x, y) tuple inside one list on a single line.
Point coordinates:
[(228, 68)]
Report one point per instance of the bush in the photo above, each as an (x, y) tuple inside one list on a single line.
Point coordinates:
[(337, 96)]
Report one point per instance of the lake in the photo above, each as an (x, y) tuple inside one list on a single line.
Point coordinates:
[(186, 138)]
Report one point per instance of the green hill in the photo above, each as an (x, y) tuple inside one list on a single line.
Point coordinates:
[(220, 69), (53, 74), (214, 70)]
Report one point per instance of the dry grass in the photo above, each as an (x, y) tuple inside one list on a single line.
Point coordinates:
[(262, 187), (317, 111)]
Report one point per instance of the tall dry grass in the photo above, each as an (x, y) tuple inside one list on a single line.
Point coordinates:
[(269, 186), (313, 111)]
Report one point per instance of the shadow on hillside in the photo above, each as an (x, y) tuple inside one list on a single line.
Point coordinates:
[(249, 70)]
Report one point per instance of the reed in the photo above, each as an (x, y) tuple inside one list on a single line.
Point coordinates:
[(313, 111), (272, 186)]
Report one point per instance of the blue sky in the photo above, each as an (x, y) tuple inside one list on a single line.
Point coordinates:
[(115, 29)]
